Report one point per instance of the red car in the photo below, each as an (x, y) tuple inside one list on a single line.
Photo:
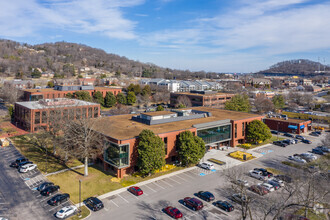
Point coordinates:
[(173, 212), (259, 190), (135, 190), (194, 203)]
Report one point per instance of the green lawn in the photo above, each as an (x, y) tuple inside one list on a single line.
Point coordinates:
[(84, 213), (97, 183), (45, 164)]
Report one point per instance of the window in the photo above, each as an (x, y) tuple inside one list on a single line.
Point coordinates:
[(65, 114), (215, 134), (177, 148), (235, 130), (116, 155), (71, 114), (165, 145), (90, 112), (44, 117), (243, 129), (96, 112), (78, 113), (84, 110), (37, 118)]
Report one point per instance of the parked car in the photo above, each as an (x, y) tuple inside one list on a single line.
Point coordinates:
[(17, 161), (135, 190), (314, 134), (288, 135), (268, 186), (241, 182), (259, 189), (207, 166), (205, 195), (59, 199), (306, 141), (284, 178), (94, 203), (318, 151), (27, 167), (224, 205), (173, 212), (49, 190), (276, 183), (258, 175), (23, 163), (295, 141), (308, 156), (323, 148), (264, 172), (194, 203), (274, 132), (280, 143), (297, 159), (300, 137), (287, 141), (66, 211), (239, 198), (44, 185)]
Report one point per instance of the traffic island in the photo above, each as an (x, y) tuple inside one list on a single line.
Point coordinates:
[(241, 156)]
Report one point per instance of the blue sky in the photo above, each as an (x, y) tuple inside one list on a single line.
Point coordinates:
[(210, 35)]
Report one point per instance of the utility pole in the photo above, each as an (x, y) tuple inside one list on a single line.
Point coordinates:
[(79, 197)]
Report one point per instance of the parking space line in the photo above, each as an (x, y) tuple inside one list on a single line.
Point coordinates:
[(134, 196), (123, 198), (158, 185), (188, 175), (114, 203), (166, 183), (181, 178), (150, 188), (174, 180)]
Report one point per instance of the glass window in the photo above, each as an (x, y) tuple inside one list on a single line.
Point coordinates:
[(215, 134), (84, 111), (78, 113), (243, 128), (44, 117), (117, 155), (37, 118), (235, 130), (96, 112), (90, 112), (165, 145)]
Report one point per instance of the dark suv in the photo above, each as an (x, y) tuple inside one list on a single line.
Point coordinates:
[(264, 172), (44, 185), (194, 203), (59, 199), (94, 203), (207, 196), (49, 190), (18, 161), (280, 143)]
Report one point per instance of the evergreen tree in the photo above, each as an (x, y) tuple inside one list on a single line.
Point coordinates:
[(258, 131), (83, 95), (98, 97), (121, 99), (278, 101), (146, 91), (160, 108), (151, 152), (131, 98), (191, 148), (239, 103), (109, 100)]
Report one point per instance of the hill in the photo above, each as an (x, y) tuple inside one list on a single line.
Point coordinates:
[(66, 59), (299, 67)]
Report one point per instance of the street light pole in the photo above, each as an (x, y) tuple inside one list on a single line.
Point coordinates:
[(46, 160), (79, 197), (277, 130)]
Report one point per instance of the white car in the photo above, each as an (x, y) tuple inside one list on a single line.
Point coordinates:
[(66, 211), (297, 159), (309, 156), (242, 182), (278, 181), (27, 167), (258, 175), (268, 186), (208, 166)]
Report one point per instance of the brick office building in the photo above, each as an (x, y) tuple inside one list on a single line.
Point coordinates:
[(60, 91), (215, 126), (290, 125), (33, 115), (203, 98)]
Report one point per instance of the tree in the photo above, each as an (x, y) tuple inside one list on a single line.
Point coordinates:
[(190, 148), (109, 100), (69, 95), (239, 103), (131, 98), (121, 98), (146, 91), (98, 97), (263, 104), (83, 95), (258, 131), (36, 73), (50, 84), (11, 111), (151, 152), (278, 101), (160, 108), (134, 88), (183, 101), (10, 93)]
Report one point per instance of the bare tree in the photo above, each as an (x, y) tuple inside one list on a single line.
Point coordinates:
[(183, 100), (10, 93), (263, 104)]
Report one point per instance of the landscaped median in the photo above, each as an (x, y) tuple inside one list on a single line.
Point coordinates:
[(242, 156), (248, 146)]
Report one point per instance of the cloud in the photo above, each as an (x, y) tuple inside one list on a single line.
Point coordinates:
[(21, 18)]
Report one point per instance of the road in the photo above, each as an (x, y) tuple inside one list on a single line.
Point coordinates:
[(172, 190)]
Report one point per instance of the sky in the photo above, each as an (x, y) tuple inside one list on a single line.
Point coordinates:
[(211, 35)]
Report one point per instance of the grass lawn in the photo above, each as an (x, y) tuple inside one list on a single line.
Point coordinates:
[(38, 156), (84, 213), (274, 171), (98, 182)]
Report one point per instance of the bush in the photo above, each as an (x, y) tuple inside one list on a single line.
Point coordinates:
[(245, 146), (240, 155)]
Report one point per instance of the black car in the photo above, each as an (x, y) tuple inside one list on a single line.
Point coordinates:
[(49, 190), (59, 199), (274, 132), (314, 134), (300, 137), (23, 163), (306, 141), (317, 151), (287, 141), (44, 185), (280, 143), (288, 135), (284, 178), (94, 203), (205, 195), (17, 161), (264, 172), (224, 205)]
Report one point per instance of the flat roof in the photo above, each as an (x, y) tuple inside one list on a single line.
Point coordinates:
[(157, 113), (121, 127), (198, 94), (37, 105), (290, 120), (53, 90)]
